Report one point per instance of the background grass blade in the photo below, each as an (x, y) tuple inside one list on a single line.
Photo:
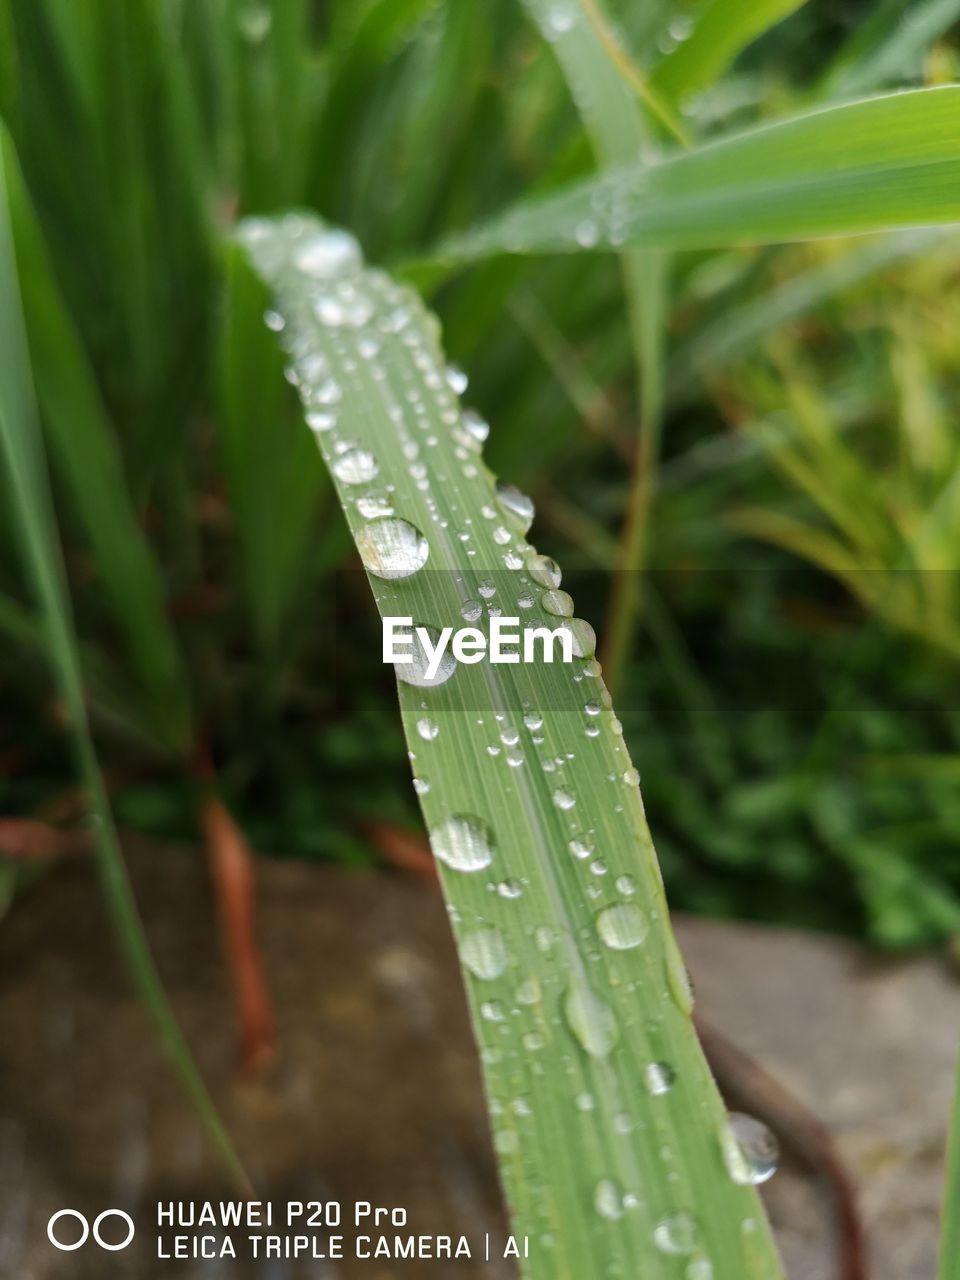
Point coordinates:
[(277, 494), (888, 46), (615, 122), (22, 448), (85, 451), (739, 330), (721, 29), (885, 162), (576, 986)]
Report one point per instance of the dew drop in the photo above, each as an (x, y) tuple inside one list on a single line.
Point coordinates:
[(563, 799), (477, 428), (750, 1150), (586, 234), (427, 728), (631, 777), (659, 1078), (585, 1102), (463, 842), (510, 889), (608, 1200), (678, 980), (328, 253), (626, 885), (487, 588), (580, 848), (456, 379), (374, 505), (676, 1235), (392, 548), (518, 504), (417, 671), (622, 927), (699, 1269), (558, 603), (583, 636), (421, 786), (319, 421), (532, 721), (528, 991), (484, 953), (356, 466), (591, 1021), (544, 571), (327, 392), (255, 21)]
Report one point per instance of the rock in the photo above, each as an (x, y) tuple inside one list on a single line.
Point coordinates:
[(377, 1095)]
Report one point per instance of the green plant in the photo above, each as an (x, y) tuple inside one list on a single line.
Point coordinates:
[(198, 520)]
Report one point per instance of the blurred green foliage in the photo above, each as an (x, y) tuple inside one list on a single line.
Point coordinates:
[(792, 717)]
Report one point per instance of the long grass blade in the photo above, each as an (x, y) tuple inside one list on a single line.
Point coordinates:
[(84, 449), (580, 1002), (889, 45), (722, 28), (22, 450), (277, 494), (619, 134), (886, 162)]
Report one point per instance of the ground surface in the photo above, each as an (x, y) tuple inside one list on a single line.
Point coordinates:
[(377, 1096)]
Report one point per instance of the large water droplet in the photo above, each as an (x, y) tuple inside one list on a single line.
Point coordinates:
[(356, 466), (558, 603), (518, 504), (608, 1199), (622, 927), (463, 842), (583, 636), (416, 672), (750, 1150), (392, 548), (544, 571), (591, 1021), (676, 1235), (484, 953)]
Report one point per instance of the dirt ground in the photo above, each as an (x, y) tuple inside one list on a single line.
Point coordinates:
[(376, 1094)]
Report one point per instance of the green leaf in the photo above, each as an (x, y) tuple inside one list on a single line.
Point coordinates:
[(21, 447), (888, 45), (84, 450), (885, 162), (722, 28), (619, 133), (277, 491), (608, 1125)]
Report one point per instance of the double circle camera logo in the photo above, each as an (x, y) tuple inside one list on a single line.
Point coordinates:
[(53, 1234)]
